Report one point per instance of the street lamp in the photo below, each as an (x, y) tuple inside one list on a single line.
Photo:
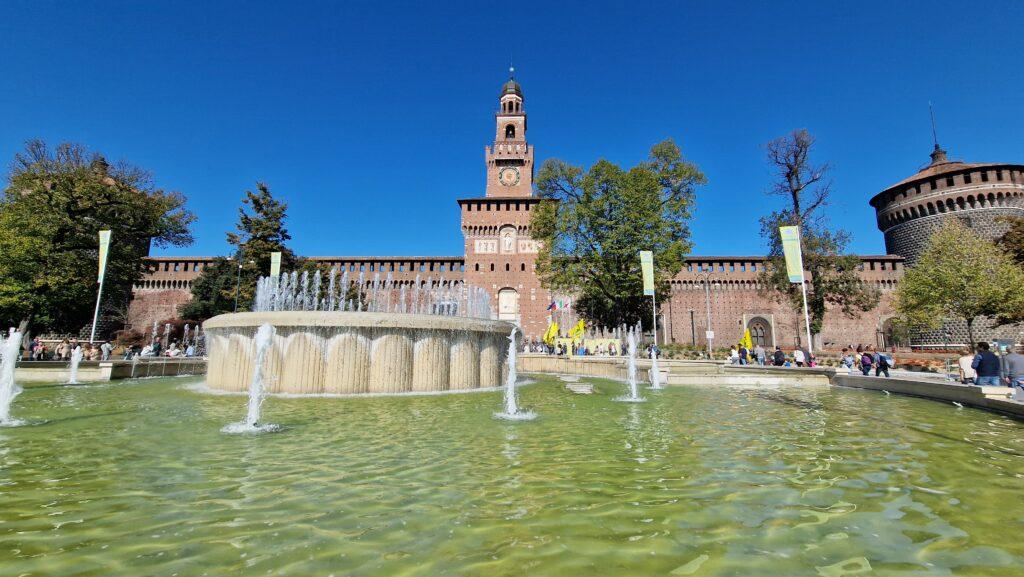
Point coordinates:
[(238, 278), (707, 303)]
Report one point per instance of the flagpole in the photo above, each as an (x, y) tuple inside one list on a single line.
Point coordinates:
[(807, 320), (96, 312)]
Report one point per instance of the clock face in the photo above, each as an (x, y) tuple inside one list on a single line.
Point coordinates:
[(509, 176)]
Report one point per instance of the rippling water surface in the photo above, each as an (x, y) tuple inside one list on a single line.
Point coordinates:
[(135, 478)]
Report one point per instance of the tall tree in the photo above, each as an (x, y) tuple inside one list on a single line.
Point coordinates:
[(594, 223), (833, 281), (960, 275), (1013, 239), (260, 231), (55, 203)]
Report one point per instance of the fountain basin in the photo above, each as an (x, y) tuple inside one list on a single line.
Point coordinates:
[(319, 352)]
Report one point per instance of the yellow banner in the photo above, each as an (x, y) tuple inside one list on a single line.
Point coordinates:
[(275, 263), (791, 249), (647, 268), (104, 249)]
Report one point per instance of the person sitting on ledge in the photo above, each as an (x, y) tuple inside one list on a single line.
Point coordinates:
[(778, 357), (798, 357), (866, 360), (967, 374), (987, 366)]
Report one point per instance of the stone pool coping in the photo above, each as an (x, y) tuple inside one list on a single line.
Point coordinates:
[(967, 395)]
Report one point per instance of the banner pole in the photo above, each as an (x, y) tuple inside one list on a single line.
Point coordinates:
[(807, 321), (96, 312)]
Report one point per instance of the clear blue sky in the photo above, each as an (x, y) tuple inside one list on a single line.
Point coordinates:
[(370, 118)]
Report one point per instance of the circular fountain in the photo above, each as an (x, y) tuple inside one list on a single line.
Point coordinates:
[(318, 352), (357, 336)]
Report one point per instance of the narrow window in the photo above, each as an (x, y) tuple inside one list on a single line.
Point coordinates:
[(967, 178), (492, 267), (522, 267), (999, 175), (984, 176), (949, 181), (508, 267), (932, 185), (476, 267)]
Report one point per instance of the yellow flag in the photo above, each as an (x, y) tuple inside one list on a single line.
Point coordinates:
[(576, 332), (747, 341), (551, 334)]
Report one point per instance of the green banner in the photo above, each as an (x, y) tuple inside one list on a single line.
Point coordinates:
[(104, 249), (275, 263), (647, 268), (791, 248)]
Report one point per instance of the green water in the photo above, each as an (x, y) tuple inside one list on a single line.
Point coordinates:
[(135, 478)]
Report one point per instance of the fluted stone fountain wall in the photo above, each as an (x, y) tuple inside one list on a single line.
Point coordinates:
[(316, 352)]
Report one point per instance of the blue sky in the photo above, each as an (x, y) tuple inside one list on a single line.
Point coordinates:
[(370, 118)]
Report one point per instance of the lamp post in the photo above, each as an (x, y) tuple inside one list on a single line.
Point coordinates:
[(707, 303), (238, 279), (693, 329)]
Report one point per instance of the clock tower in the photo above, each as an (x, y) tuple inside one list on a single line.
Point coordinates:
[(501, 254), (510, 158)]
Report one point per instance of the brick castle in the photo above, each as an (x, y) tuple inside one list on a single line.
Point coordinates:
[(499, 254)]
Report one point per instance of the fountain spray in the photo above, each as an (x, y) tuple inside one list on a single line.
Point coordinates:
[(76, 359), (512, 412), (634, 394), (10, 349), (257, 386)]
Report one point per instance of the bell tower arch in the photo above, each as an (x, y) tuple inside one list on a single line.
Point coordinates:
[(510, 158)]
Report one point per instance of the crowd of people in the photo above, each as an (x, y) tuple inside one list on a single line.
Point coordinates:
[(38, 350), (982, 366)]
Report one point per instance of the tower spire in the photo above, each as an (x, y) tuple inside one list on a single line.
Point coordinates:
[(938, 155)]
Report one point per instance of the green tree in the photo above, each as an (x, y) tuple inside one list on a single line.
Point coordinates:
[(1013, 239), (260, 231), (960, 275), (833, 280), (55, 203), (593, 224)]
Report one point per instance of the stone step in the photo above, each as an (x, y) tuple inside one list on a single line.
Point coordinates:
[(580, 388)]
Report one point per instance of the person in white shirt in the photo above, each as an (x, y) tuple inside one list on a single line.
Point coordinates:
[(734, 356), (798, 357), (967, 372)]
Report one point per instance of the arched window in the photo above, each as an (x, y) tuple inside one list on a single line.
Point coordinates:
[(510, 131), (760, 332)]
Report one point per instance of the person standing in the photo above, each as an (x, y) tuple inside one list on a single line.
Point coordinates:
[(986, 364), (1013, 371), (105, 349), (798, 357), (759, 354), (734, 356), (744, 354), (778, 357)]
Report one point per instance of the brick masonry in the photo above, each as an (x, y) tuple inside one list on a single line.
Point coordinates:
[(500, 255)]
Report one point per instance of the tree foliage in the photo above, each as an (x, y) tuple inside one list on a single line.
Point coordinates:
[(259, 232), (593, 224), (1013, 239), (960, 275), (833, 281), (55, 203)]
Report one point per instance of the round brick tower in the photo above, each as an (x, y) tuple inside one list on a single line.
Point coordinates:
[(976, 194)]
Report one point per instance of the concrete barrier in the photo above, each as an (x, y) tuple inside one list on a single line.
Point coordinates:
[(98, 371)]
